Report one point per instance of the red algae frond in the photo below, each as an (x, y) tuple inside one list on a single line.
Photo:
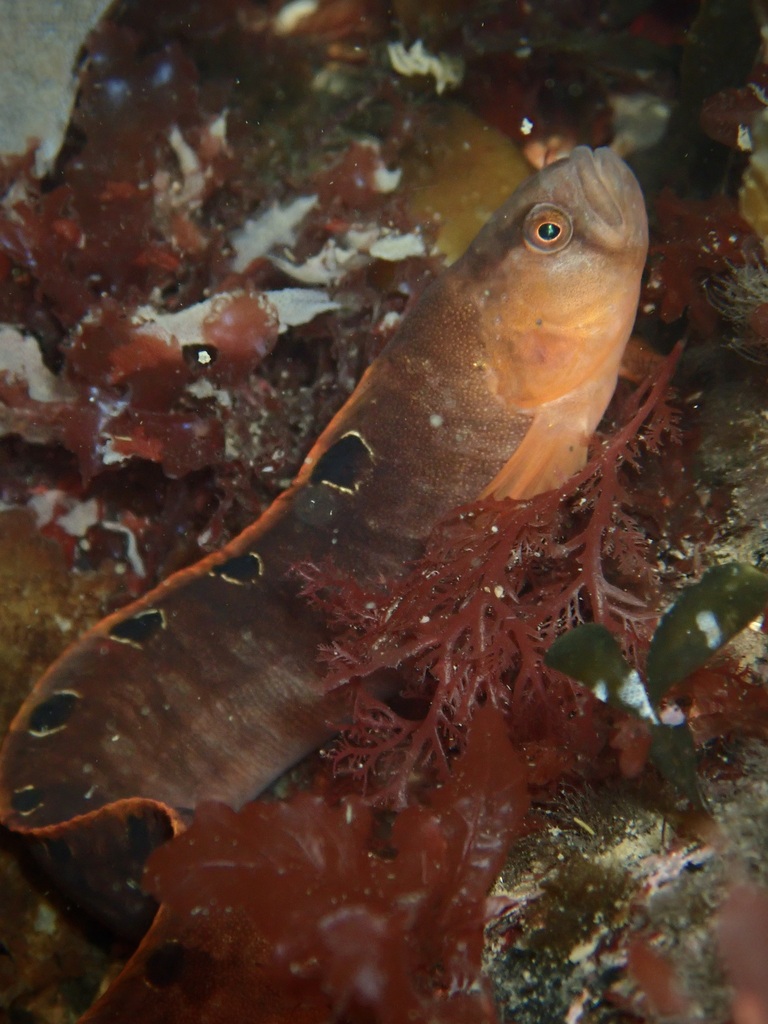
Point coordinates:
[(356, 915), (470, 624)]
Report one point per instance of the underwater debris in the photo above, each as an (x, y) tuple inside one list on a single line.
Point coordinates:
[(446, 70)]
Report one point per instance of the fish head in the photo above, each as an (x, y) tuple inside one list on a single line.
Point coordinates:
[(560, 266)]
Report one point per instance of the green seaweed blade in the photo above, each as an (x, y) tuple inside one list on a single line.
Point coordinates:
[(704, 618), (591, 655)]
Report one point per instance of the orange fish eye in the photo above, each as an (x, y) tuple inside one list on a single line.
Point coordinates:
[(547, 228)]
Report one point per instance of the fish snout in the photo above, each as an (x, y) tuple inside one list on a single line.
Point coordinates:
[(614, 200)]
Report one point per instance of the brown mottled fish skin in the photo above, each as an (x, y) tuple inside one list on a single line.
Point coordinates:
[(207, 687)]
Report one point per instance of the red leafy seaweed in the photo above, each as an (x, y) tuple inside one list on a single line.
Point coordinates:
[(696, 241), (390, 925)]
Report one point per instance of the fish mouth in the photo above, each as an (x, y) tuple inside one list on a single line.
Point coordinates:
[(613, 194)]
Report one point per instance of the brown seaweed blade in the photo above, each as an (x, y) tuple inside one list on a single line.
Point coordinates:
[(207, 688)]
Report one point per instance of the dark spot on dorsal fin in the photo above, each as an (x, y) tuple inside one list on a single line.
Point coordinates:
[(53, 713), (164, 965), (241, 569), (344, 464), (26, 800), (138, 628)]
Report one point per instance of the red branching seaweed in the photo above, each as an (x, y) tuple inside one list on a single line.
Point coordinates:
[(393, 925), (696, 241), (470, 623)]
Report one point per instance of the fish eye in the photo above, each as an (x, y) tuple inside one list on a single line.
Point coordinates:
[(547, 228)]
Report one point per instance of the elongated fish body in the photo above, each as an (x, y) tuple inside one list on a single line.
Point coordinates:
[(207, 687)]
